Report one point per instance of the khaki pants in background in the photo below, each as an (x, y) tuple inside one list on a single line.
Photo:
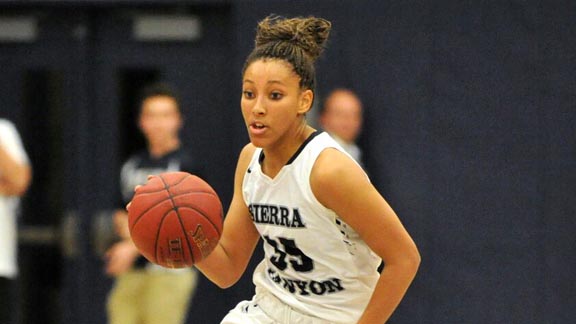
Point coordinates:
[(151, 297)]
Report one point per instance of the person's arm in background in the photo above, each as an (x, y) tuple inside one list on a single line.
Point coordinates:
[(121, 256), (15, 176)]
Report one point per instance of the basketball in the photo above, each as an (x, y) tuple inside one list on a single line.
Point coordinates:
[(175, 219)]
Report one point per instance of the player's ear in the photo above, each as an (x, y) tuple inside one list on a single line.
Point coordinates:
[(306, 99)]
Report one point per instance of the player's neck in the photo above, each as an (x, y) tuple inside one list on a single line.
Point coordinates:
[(276, 157)]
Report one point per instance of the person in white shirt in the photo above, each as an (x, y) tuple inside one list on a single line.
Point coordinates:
[(15, 177)]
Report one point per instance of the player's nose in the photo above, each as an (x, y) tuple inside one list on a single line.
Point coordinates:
[(259, 107)]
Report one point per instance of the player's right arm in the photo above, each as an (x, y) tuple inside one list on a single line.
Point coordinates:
[(229, 259)]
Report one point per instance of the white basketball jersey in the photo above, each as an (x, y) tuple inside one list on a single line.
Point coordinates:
[(314, 262)]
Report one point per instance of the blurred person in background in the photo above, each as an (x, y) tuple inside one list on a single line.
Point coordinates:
[(15, 177), (144, 292), (341, 117)]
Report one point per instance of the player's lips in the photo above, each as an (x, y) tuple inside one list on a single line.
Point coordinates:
[(257, 128)]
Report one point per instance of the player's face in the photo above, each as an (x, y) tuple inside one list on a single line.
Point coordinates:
[(160, 119), (343, 116), (273, 104)]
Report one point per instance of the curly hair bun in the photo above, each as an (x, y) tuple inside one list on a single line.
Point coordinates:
[(309, 33)]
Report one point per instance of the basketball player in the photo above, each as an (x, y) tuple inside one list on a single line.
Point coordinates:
[(325, 227), (144, 292)]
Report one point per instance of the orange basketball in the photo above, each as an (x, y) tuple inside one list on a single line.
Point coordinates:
[(175, 219)]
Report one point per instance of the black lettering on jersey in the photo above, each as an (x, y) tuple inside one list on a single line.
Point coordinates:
[(265, 214), (296, 219), (288, 285), (276, 215), (305, 288), (274, 276), (333, 285), (284, 212)]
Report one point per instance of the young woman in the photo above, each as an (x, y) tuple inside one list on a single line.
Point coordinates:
[(325, 227)]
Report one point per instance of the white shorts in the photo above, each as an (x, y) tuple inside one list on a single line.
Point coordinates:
[(264, 308)]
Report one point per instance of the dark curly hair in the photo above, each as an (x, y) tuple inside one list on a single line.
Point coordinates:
[(298, 41)]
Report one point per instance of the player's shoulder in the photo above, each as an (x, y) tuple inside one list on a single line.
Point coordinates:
[(247, 152), (331, 158), (332, 164), (245, 157)]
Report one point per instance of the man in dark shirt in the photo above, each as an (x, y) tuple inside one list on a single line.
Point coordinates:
[(144, 292)]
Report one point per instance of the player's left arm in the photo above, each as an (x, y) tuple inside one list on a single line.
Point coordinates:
[(229, 259), (342, 186)]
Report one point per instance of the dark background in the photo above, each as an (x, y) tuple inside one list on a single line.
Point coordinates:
[(470, 135)]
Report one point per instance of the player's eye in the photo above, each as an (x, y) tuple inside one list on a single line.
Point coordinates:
[(276, 96), (248, 94)]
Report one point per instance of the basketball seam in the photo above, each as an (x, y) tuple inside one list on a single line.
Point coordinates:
[(149, 192), (203, 215), (171, 199), (186, 236), (155, 192), (158, 234), (145, 212), (160, 176), (178, 195), (195, 192), (180, 181), (167, 187)]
